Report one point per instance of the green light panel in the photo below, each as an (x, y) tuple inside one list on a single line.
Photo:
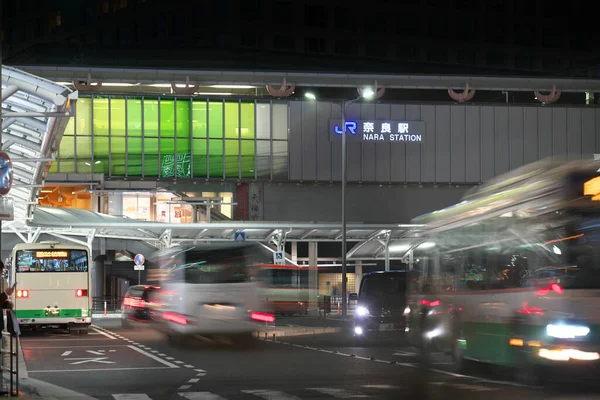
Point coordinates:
[(151, 137)]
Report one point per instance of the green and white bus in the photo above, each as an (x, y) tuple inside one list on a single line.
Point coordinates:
[(52, 286), (510, 276)]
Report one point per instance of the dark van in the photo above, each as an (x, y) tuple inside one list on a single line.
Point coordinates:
[(381, 303)]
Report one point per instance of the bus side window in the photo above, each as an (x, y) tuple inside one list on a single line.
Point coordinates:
[(473, 274)]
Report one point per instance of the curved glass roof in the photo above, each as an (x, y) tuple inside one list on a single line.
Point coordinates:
[(32, 126)]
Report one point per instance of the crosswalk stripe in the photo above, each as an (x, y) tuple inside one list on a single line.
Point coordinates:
[(131, 396), (271, 394), (339, 393), (201, 396)]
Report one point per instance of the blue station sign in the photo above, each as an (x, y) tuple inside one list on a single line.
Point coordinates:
[(377, 131)]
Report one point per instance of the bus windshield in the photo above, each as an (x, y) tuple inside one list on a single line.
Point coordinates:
[(51, 260)]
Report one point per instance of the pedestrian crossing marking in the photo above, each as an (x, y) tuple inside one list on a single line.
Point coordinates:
[(271, 395), (338, 393)]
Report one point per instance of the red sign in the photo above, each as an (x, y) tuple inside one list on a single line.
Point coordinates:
[(6, 173)]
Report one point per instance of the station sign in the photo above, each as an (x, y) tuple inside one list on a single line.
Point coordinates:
[(377, 131)]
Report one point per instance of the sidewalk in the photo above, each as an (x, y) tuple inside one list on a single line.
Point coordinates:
[(271, 332)]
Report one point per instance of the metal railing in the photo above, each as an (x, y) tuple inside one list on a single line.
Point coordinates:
[(109, 304), (10, 354)]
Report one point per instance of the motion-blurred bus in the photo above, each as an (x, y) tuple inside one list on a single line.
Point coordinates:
[(208, 289), (511, 275), (283, 288), (53, 286)]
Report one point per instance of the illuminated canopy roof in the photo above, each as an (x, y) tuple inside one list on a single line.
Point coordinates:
[(78, 224), (35, 113)]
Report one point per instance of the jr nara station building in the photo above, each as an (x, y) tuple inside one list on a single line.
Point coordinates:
[(193, 147)]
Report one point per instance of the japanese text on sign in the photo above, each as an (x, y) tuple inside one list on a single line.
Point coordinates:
[(378, 131)]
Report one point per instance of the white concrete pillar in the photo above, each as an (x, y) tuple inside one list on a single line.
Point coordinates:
[(358, 274), (294, 252), (115, 204)]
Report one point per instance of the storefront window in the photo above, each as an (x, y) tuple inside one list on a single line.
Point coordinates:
[(137, 206)]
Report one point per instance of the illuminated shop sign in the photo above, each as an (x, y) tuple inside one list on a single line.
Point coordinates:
[(378, 131)]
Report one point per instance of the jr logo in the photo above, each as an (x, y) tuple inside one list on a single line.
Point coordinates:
[(350, 127)]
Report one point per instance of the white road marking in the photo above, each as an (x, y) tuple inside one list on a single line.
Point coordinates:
[(199, 370), (91, 369), (184, 387), (170, 358), (338, 393), (152, 356), (271, 394), (381, 386), (66, 353), (132, 396), (188, 366), (104, 333), (404, 354), (201, 396), (194, 380)]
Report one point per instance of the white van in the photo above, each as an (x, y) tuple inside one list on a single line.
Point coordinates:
[(208, 290)]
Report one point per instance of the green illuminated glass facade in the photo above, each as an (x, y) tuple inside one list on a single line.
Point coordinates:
[(175, 137)]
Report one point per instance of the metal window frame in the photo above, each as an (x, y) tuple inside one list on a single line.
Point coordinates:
[(207, 139), (224, 150), (143, 137), (191, 136), (126, 136), (175, 138), (255, 141), (159, 175), (109, 139), (239, 138)]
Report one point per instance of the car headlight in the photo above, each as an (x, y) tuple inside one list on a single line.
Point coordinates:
[(361, 311), (567, 331), (406, 311)]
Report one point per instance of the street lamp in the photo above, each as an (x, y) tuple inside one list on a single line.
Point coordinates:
[(367, 94)]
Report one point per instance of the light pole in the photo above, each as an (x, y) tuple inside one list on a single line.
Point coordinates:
[(366, 94)]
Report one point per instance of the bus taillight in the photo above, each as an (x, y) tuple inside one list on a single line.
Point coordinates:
[(81, 293), (22, 293)]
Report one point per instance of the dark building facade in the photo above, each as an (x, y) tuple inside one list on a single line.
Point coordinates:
[(425, 36)]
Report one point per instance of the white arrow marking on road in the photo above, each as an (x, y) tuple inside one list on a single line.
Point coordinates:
[(66, 353), (132, 396), (96, 352), (100, 360), (381, 386), (271, 395)]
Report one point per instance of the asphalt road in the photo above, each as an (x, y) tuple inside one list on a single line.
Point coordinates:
[(113, 363)]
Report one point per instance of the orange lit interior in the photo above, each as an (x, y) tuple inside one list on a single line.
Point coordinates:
[(66, 197)]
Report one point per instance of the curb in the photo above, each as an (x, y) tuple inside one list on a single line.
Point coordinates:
[(294, 332), (108, 316)]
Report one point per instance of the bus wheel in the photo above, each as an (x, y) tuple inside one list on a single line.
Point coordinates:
[(459, 363)]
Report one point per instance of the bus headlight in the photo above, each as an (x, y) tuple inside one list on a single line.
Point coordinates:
[(361, 311), (567, 331), (406, 311)]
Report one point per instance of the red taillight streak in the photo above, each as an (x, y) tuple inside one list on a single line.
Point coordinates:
[(435, 303), (133, 302), (178, 319), (81, 293), (262, 317), (555, 287)]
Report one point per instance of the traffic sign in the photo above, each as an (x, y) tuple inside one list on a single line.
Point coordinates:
[(279, 258), (239, 237), (6, 173), (139, 267), (139, 259)]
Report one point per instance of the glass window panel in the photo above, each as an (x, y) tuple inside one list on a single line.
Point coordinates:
[(100, 117), (150, 156), (263, 156), (215, 153), (134, 117), (231, 158), (118, 163), (100, 154), (199, 157), (247, 158), (183, 118), (67, 152), (117, 117), (247, 129), (231, 120), (167, 152), (167, 118), (199, 119), (280, 121), (83, 150), (183, 158), (83, 116), (280, 160), (263, 121), (53, 168), (134, 156), (70, 129), (151, 118), (215, 120)]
